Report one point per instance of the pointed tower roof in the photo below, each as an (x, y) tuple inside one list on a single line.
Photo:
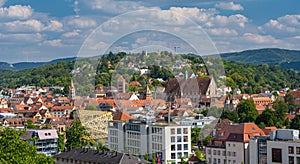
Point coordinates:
[(71, 85)]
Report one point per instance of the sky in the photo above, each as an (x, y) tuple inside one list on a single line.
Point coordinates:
[(35, 30)]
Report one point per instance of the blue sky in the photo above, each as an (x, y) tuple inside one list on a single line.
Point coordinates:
[(35, 30)]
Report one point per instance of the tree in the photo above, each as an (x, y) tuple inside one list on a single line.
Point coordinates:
[(295, 124), (281, 110), (200, 155), (247, 111), (30, 124), (231, 115), (77, 136), (195, 134), (289, 100), (267, 117), (15, 150), (61, 142)]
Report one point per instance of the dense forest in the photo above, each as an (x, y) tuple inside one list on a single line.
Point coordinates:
[(250, 78)]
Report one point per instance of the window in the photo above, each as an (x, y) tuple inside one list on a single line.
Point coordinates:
[(172, 131), (179, 139), (219, 161), (291, 160), (172, 139), (298, 159), (186, 147), (173, 148), (276, 155), (234, 154), (185, 131), (224, 153), (291, 150), (179, 147), (186, 155), (219, 152), (185, 139), (179, 155), (209, 151), (214, 152), (233, 162), (173, 156), (229, 153), (297, 150), (215, 160), (179, 131)]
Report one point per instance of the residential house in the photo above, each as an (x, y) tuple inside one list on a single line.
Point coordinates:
[(230, 144)]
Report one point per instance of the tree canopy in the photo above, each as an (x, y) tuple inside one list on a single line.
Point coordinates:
[(77, 136), (13, 149), (247, 111)]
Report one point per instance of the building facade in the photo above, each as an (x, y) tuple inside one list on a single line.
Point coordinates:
[(167, 142), (230, 144), (46, 140)]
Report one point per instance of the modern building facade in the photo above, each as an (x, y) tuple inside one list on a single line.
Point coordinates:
[(46, 140), (168, 142), (282, 146)]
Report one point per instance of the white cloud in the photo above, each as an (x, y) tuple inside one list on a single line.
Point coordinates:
[(260, 39), (16, 11), (54, 25), (82, 22), (53, 43), (222, 32), (28, 25), (112, 6), (20, 38), (284, 26), (231, 20), (32, 25), (229, 6), (71, 34)]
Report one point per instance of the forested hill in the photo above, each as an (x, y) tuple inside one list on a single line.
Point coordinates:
[(289, 59), (250, 78), (27, 65)]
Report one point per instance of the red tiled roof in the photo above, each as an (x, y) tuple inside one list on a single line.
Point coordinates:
[(122, 116)]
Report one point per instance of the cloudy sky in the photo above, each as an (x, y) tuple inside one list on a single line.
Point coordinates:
[(35, 30)]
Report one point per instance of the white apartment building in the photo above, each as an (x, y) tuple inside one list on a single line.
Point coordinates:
[(130, 137), (168, 141), (282, 146), (171, 141), (230, 144)]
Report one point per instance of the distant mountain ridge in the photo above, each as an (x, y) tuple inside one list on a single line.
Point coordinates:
[(27, 65), (288, 59)]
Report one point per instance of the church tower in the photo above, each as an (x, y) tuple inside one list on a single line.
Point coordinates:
[(71, 91), (148, 95)]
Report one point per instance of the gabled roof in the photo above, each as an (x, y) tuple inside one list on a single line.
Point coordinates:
[(122, 116), (191, 85), (238, 132)]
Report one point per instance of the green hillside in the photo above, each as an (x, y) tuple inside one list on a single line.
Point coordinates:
[(250, 78), (289, 59)]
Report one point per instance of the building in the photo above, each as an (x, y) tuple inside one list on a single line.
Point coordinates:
[(230, 144), (169, 142), (47, 140), (282, 146), (193, 88), (84, 155)]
